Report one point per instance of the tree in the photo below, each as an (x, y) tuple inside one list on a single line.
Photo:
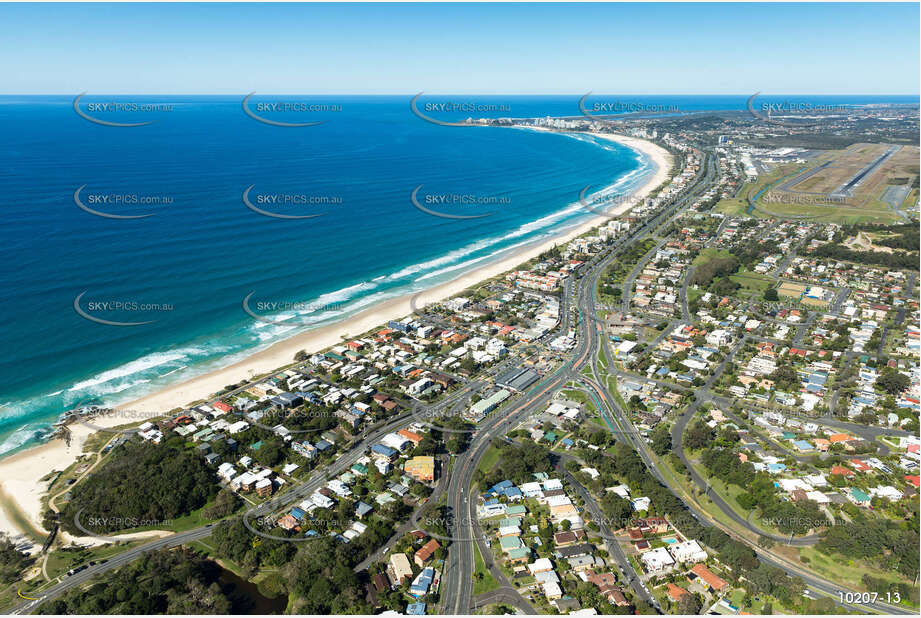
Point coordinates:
[(225, 504), (785, 377), (160, 582), (698, 436), (141, 484), (12, 561), (688, 604), (892, 381), (661, 439), (770, 294)]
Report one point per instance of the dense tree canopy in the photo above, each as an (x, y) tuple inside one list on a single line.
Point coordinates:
[(892, 381), (160, 582), (12, 561), (142, 484)]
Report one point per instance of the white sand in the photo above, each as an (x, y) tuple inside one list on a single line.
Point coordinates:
[(20, 472)]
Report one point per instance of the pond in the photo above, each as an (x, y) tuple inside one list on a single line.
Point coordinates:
[(247, 600)]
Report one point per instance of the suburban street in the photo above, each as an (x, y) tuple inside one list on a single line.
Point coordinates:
[(456, 487)]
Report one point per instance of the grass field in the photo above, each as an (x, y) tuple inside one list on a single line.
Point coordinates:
[(59, 562), (581, 397), (602, 357), (755, 282), (708, 254), (489, 460), (846, 572), (483, 581), (733, 206), (808, 193)]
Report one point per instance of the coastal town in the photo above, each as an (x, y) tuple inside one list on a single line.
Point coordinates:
[(705, 402)]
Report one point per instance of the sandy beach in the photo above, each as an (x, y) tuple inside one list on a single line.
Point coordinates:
[(20, 473)]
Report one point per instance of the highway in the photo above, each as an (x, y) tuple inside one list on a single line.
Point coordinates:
[(586, 305), (457, 582)]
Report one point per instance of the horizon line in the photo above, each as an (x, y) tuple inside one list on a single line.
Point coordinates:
[(427, 93)]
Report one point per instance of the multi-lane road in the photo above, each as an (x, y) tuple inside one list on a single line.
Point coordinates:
[(457, 581)]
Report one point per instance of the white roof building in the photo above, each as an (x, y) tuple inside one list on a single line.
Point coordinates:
[(238, 427), (540, 565), (657, 559), (689, 551), (558, 500), (320, 500), (641, 504), (886, 491), (793, 484), (396, 441), (817, 496), (531, 490), (339, 488), (226, 471), (816, 480)]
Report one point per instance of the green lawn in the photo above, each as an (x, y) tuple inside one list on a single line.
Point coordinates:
[(59, 562), (708, 254), (732, 206), (581, 397), (483, 581), (752, 281), (848, 573), (489, 460), (615, 392)]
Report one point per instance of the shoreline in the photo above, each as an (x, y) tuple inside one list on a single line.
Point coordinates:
[(19, 472)]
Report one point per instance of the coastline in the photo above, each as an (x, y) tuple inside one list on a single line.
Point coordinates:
[(19, 472)]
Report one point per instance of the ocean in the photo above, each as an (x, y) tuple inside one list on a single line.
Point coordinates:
[(327, 228)]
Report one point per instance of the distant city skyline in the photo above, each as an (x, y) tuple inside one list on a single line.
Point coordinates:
[(822, 49)]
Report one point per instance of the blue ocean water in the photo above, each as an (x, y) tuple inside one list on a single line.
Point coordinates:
[(204, 251)]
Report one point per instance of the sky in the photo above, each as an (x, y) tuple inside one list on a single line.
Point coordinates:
[(452, 48)]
